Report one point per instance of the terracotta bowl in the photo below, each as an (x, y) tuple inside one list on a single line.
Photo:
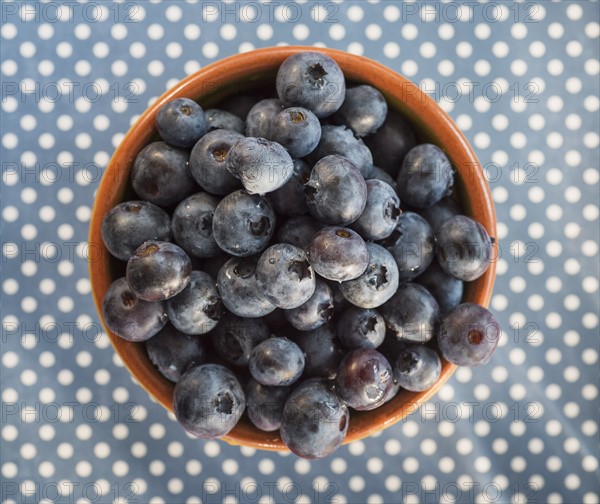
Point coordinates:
[(254, 70)]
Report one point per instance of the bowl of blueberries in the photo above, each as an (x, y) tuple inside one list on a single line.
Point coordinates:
[(294, 249)]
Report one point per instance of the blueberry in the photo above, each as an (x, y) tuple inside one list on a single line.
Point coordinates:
[(417, 368), (129, 224), (381, 212), (339, 140), (239, 289), (174, 352), (262, 166), (377, 284), (235, 338), (158, 270), (311, 80), (264, 405), (299, 231), (276, 362), (243, 223), (289, 199), (285, 276), (315, 312), (364, 110), (296, 129), (361, 328), (161, 174), (241, 101), (446, 290), (221, 119), (379, 174), (197, 308), (364, 379), (425, 177), (207, 162), (439, 213), (464, 248), (128, 316), (181, 122), (468, 335), (390, 143), (336, 192), (315, 421), (208, 401), (338, 253), (411, 244), (412, 314), (322, 352), (192, 225), (261, 117)]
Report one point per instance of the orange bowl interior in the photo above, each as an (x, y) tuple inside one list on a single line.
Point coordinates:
[(250, 70)]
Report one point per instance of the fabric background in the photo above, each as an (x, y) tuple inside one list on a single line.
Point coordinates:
[(520, 79)]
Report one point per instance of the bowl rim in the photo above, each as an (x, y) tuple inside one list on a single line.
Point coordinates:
[(413, 101)]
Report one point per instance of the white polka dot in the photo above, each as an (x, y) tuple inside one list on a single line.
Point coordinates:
[(590, 212), (392, 447), (410, 465), (409, 31), (573, 85), (210, 50), (589, 463), (464, 49), (155, 31), (518, 212), (355, 13), (555, 67), (574, 11), (173, 13), (554, 140), (536, 195), (391, 50), (355, 48), (212, 449), (482, 31), (518, 140), (574, 48), (589, 320), (555, 103), (481, 67), (591, 140), (537, 49), (409, 68), (300, 32), (82, 31), (266, 466), (427, 50), (337, 32), (591, 103), (428, 447), (556, 30), (229, 32), (554, 212), (572, 482), (590, 284), (120, 468), (592, 30)]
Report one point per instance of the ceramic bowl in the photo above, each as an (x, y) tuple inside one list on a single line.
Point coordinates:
[(257, 69)]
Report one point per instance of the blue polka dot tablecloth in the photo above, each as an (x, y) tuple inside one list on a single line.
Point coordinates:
[(520, 79)]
